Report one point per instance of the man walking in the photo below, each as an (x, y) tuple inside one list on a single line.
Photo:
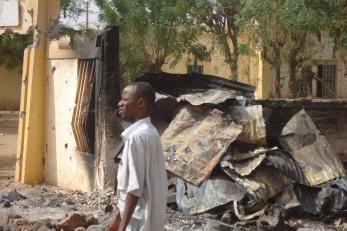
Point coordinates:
[(142, 179)]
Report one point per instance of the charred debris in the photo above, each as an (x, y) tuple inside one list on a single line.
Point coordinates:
[(221, 160)]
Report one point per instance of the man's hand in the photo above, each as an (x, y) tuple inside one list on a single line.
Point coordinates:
[(114, 226), (130, 204)]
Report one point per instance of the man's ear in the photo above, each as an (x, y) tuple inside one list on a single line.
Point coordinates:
[(141, 102)]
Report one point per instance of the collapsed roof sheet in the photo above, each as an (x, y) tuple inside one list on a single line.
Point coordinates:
[(315, 156), (195, 141), (212, 96), (180, 84), (216, 191)]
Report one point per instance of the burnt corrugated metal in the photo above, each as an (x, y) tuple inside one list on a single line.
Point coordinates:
[(179, 84), (195, 141), (315, 156), (216, 191)]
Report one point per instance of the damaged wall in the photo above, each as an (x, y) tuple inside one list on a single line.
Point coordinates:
[(64, 165)]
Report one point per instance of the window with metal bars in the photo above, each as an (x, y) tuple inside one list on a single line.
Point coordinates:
[(196, 69), (326, 87)]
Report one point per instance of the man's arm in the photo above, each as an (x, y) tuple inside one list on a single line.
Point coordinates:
[(115, 223), (130, 204)]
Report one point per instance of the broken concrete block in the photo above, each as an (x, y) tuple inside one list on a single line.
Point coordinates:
[(72, 222)]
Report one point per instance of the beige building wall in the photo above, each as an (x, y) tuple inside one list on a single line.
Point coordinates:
[(10, 85), (255, 71), (217, 67)]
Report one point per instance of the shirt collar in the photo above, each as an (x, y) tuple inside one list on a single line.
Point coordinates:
[(127, 132)]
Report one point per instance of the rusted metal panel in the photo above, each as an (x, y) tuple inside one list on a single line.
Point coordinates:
[(195, 141), (242, 151), (284, 163), (251, 118), (216, 191), (243, 167), (261, 185), (212, 96), (315, 156)]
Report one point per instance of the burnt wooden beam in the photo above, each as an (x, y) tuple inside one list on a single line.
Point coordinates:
[(107, 95)]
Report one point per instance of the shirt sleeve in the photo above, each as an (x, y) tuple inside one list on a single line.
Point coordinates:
[(136, 166)]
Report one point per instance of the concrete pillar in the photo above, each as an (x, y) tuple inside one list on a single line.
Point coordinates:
[(31, 138)]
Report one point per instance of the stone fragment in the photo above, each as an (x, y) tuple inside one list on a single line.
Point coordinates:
[(7, 204), (72, 222), (91, 220), (108, 209)]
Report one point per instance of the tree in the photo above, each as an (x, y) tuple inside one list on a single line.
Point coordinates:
[(152, 32), (12, 47), (221, 19), (305, 24), (286, 31), (267, 33)]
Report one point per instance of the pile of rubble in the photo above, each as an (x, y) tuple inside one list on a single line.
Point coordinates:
[(47, 207), (216, 151)]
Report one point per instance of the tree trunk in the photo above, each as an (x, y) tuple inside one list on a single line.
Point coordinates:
[(234, 58), (293, 82), (308, 76), (278, 80)]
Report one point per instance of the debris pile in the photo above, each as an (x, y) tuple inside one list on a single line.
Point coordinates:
[(47, 207), (216, 151)]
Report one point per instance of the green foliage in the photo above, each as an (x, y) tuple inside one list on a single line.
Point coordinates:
[(72, 8), (151, 32), (287, 31), (12, 47), (222, 18)]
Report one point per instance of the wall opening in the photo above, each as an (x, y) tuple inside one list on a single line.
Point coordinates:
[(83, 118)]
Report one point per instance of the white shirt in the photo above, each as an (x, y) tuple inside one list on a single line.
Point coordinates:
[(142, 173)]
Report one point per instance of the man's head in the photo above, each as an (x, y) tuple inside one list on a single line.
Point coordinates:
[(137, 101)]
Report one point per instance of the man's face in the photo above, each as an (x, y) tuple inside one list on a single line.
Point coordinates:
[(128, 106)]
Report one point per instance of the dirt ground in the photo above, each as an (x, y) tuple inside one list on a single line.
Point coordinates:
[(8, 148)]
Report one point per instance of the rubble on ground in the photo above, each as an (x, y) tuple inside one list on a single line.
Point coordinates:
[(47, 207)]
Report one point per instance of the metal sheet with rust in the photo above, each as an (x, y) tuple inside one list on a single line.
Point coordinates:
[(251, 118), (261, 185), (243, 167), (216, 191), (195, 141), (315, 156), (212, 96)]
